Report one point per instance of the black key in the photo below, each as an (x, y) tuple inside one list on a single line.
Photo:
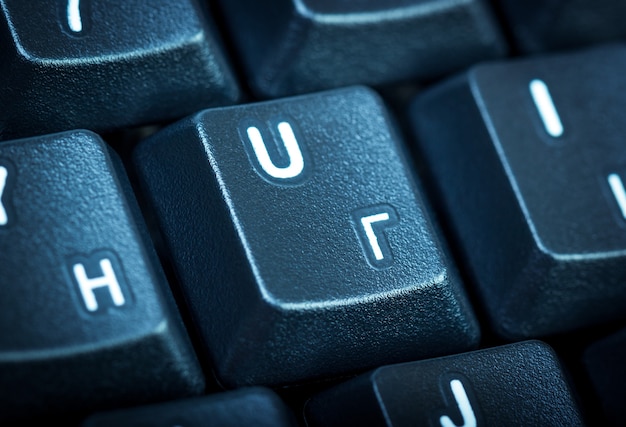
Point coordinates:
[(604, 361), (528, 157), (106, 64), (86, 318), (300, 241), (516, 385), (541, 25), (242, 408), (299, 46)]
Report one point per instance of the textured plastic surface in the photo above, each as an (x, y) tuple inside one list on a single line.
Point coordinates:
[(299, 46), (541, 25), (604, 361), (57, 354), (242, 408), (279, 273), (131, 63), (536, 217), (516, 385)]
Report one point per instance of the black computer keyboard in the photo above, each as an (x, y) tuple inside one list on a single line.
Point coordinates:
[(313, 212)]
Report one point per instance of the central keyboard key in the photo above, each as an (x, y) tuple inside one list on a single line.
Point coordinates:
[(300, 240)]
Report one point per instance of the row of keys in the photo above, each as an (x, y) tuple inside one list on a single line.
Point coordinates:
[(517, 385), (91, 64), (301, 241)]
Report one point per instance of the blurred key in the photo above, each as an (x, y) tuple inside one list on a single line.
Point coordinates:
[(515, 385), (528, 159), (257, 407), (605, 365), (301, 241), (298, 46), (106, 64), (85, 314), (542, 25)]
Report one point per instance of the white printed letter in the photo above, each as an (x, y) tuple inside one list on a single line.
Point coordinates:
[(617, 187), (370, 224), (74, 20), (296, 160), (87, 285), (546, 108), (462, 401), (4, 218)]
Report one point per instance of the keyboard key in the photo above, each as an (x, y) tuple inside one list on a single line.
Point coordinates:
[(299, 239), (300, 46), (86, 319), (107, 64), (241, 408), (604, 361), (516, 385), (528, 158), (540, 25)]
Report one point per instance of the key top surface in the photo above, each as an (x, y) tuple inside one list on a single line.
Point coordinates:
[(528, 158), (516, 385), (300, 46), (301, 241), (104, 65), (87, 323)]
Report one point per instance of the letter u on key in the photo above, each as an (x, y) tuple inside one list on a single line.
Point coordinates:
[(294, 168)]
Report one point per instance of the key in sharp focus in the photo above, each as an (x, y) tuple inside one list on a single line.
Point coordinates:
[(300, 241), (106, 64), (528, 157), (86, 316), (300, 46), (516, 385)]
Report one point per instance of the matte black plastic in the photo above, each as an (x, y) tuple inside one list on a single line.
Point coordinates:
[(300, 46), (538, 224), (605, 365), (278, 273), (245, 407), (133, 62), (516, 385), (69, 209), (543, 25)]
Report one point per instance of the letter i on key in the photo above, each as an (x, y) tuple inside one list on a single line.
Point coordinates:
[(540, 223), (4, 218)]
